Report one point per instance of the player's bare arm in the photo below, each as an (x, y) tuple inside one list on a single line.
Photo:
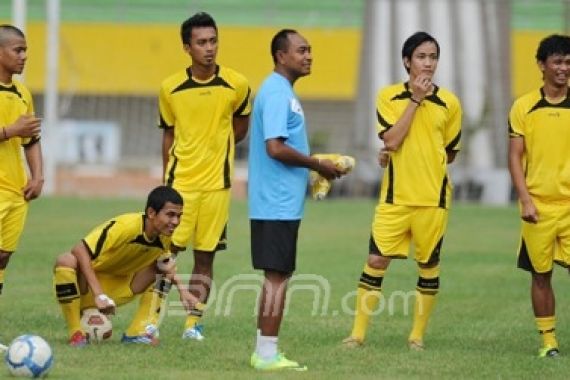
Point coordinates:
[(394, 137), (240, 125), (516, 152), (35, 183), (166, 265), (277, 149), (24, 126), (104, 303), (188, 300)]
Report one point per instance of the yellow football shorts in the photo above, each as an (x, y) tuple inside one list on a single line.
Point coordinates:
[(396, 226), (204, 219), (118, 288), (547, 241), (13, 211)]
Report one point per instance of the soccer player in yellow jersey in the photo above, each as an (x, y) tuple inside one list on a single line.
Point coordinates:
[(420, 124), (204, 111), (126, 256), (539, 145), (19, 129)]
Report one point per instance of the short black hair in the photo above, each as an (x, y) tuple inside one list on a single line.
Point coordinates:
[(6, 29), (415, 40), (553, 45), (158, 197), (280, 42), (199, 20)]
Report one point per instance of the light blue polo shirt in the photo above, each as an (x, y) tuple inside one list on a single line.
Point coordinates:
[(276, 191)]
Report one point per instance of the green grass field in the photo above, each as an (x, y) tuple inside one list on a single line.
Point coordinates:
[(482, 326), (329, 13)]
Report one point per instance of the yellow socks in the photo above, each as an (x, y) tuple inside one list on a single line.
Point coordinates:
[(67, 293), (546, 327), (194, 316), (150, 306), (427, 288), (367, 299)]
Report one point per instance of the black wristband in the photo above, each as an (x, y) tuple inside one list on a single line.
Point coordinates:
[(418, 102)]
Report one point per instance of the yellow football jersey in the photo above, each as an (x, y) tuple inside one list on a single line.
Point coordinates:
[(120, 247), (201, 113), (15, 101), (416, 174), (545, 128)]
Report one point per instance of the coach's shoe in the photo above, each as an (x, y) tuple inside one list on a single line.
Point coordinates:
[(416, 345), (548, 352), (277, 363), (78, 339), (352, 342), (194, 333), (149, 337)]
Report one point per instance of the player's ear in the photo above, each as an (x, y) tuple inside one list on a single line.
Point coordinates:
[(406, 63), (150, 212), (279, 54), (541, 66), (186, 47)]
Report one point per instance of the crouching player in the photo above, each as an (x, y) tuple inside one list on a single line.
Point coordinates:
[(118, 260)]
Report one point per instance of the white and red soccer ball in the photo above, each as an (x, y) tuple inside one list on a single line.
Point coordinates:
[(96, 325)]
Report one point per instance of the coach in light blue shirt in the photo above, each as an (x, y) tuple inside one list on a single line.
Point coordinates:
[(277, 189), (278, 176)]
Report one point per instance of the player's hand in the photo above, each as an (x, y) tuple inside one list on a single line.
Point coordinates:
[(105, 304), (187, 299), (166, 263), (328, 169), (25, 126), (383, 157), (421, 86), (33, 189), (529, 213)]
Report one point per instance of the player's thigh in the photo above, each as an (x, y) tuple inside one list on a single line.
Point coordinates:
[(428, 229), (118, 288), (13, 211), (212, 221), (144, 278), (184, 234), (538, 240), (391, 230), (562, 247)]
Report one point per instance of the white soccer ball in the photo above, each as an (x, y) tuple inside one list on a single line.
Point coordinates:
[(29, 356), (96, 325)]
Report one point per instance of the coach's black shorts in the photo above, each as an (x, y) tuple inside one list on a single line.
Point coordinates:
[(274, 244)]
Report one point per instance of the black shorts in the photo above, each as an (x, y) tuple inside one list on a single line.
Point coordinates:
[(274, 244)]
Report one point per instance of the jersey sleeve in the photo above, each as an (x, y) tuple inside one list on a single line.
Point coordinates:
[(242, 106), (516, 121), (104, 237), (274, 116), (453, 129), (385, 114), (166, 116)]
